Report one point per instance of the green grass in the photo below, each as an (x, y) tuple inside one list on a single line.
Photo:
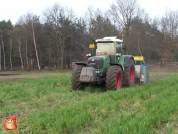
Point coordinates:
[(49, 106)]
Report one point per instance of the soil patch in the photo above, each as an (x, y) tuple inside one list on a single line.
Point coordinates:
[(8, 74)]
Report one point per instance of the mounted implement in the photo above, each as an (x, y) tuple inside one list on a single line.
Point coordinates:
[(107, 65), (141, 70)]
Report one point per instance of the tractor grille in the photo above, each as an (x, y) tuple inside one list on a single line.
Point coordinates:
[(96, 62)]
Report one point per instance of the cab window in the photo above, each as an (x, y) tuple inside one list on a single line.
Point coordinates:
[(118, 47)]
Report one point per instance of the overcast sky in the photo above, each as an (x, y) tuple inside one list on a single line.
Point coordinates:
[(13, 9)]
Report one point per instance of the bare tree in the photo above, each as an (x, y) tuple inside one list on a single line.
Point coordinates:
[(19, 40), (124, 12), (60, 19), (28, 22), (23, 22), (172, 23), (20, 34), (4, 55), (34, 41), (51, 18), (169, 29)]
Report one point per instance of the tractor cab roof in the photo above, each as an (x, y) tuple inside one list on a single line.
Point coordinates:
[(109, 39)]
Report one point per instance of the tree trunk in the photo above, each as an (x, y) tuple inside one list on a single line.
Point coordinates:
[(20, 54), (139, 46), (4, 54), (70, 58), (58, 53), (70, 54), (62, 55), (33, 33), (26, 54), (49, 56), (10, 53)]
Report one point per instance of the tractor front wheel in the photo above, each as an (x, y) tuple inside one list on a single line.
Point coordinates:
[(129, 74), (75, 79), (114, 78)]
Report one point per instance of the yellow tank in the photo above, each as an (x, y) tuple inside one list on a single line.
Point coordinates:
[(138, 58)]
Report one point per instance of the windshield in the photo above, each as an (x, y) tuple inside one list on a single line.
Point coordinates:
[(105, 49)]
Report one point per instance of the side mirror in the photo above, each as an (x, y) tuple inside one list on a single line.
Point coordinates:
[(123, 46)]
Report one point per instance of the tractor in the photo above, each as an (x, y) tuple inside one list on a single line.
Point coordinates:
[(107, 65)]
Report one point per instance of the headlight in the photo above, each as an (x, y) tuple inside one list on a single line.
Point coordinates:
[(97, 72)]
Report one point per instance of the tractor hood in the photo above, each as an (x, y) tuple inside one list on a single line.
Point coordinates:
[(100, 63), (96, 62)]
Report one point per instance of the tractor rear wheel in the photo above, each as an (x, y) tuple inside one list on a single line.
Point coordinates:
[(75, 79), (129, 74), (114, 77)]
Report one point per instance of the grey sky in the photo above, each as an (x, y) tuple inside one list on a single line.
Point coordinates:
[(13, 9)]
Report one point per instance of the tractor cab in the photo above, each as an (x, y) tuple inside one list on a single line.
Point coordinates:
[(107, 46)]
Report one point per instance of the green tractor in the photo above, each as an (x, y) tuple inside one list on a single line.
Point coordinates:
[(107, 65)]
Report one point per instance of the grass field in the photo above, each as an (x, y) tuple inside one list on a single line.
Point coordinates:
[(44, 103)]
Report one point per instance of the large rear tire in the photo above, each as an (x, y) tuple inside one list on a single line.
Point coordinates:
[(129, 74), (114, 78), (75, 79)]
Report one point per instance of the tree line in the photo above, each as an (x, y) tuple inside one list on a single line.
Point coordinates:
[(54, 40)]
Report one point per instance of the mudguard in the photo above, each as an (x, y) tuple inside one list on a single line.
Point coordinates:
[(127, 59)]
